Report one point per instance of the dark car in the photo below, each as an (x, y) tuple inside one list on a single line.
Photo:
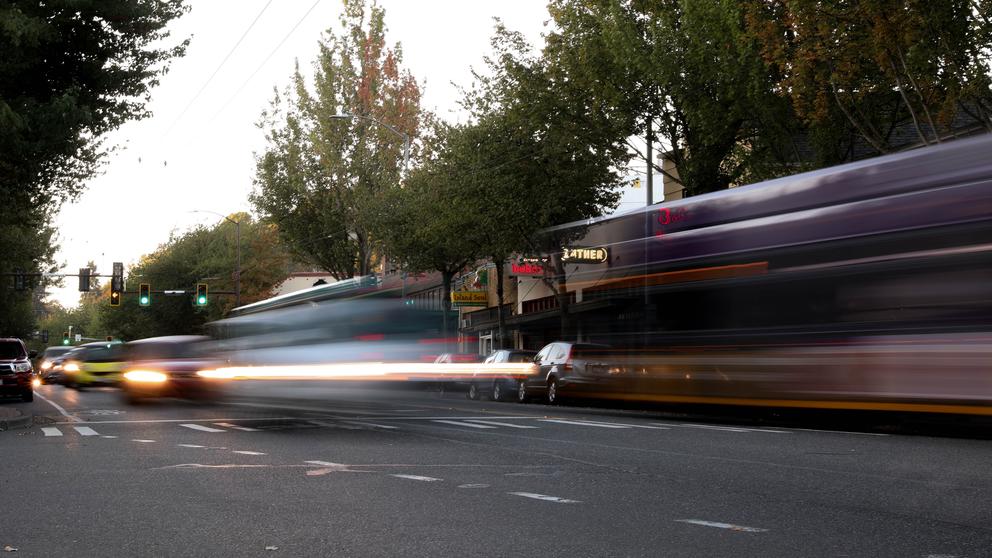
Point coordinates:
[(16, 372), (500, 388), (49, 363), (571, 368), (169, 367)]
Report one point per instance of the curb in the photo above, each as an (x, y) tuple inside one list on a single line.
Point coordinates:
[(10, 423)]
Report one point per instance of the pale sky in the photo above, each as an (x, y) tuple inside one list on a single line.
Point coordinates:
[(168, 166)]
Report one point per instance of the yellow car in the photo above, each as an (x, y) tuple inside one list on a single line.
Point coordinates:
[(94, 364)]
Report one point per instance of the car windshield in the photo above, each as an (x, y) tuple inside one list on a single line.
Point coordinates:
[(165, 351), (10, 350), (53, 352)]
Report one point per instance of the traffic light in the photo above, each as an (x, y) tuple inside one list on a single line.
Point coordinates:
[(201, 294), (110, 338), (44, 336), (144, 294), (65, 337), (115, 298), (84, 279)]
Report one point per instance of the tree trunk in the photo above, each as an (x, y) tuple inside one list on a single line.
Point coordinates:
[(561, 291), (500, 313)]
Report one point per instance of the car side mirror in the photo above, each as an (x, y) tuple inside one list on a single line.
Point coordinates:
[(32, 354)]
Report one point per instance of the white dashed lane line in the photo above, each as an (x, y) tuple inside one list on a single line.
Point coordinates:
[(416, 478), (51, 431), (457, 423), (201, 428), (545, 497), (143, 441), (189, 446), (236, 427), (719, 525), (245, 452), (387, 427), (507, 424), (85, 430), (578, 423)]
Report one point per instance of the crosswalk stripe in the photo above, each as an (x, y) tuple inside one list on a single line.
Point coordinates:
[(494, 423), (85, 431), (51, 431), (236, 427), (456, 423), (201, 427), (578, 423)]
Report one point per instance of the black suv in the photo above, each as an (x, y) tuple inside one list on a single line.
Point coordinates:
[(16, 373)]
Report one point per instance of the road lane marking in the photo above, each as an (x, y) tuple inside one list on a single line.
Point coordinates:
[(143, 441), (341, 425), (201, 427), (416, 478), (502, 423), (719, 525), (66, 414), (245, 452), (545, 497), (155, 421), (580, 423), (732, 428), (86, 431), (51, 431), (236, 427), (326, 463), (189, 446), (110, 437), (473, 486), (469, 424), (375, 425)]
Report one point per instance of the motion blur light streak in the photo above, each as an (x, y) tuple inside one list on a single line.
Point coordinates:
[(370, 370), (147, 376)]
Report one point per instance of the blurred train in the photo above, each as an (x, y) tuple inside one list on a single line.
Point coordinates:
[(863, 286)]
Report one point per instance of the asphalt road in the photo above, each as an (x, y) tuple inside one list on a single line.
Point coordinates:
[(359, 472)]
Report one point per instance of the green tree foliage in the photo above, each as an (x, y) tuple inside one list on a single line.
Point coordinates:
[(688, 68), (320, 177), (201, 255), (70, 72), (872, 69)]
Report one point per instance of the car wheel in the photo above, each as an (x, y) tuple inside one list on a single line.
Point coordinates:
[(553, 391), (473, 391), (498, 394), (521, 392), (28, 396)]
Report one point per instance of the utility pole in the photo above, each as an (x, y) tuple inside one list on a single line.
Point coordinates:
[(650, 180)]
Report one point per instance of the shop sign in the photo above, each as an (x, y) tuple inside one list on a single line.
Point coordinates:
[(470, 298), (584, 255), (526, 268)]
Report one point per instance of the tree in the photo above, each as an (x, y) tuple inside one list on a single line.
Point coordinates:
[(537, 155), (681, 71), (873, 70), (336, 147), (201, 255), (70, 73)]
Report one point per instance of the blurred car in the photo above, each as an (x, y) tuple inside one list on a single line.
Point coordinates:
[(168, 367), (458, 382), (571, 367), (16, 372), (94, 364), (49, 358), (500, 388)]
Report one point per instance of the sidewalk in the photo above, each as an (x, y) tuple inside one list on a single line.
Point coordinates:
[(13, 418)]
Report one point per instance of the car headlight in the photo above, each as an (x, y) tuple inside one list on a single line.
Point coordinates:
[(71, 367), (22, 367), (46, 365), (145, 376)]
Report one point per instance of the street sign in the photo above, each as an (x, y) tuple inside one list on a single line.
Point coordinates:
[(470, 298), (79, 337)]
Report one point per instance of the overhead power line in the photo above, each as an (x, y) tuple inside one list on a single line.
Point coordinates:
[(219, 66), (266, 60)]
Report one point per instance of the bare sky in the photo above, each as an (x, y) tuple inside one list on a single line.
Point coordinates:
[(168, 165)]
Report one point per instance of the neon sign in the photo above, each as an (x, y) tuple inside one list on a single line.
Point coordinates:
[(666, 216), (526, 268), (585, 255)]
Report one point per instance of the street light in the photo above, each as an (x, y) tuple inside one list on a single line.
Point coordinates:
[(406, 138), (237, 274)]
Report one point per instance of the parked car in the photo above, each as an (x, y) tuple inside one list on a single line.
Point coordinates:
[(570, 368), (168, 367), (16, 372), (500, 388), (94, 364), (49, 358), (459, 382)]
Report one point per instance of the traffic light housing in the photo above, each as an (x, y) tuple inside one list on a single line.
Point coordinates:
[(144, 294), (115, 298), (84, 279), (65, 337), (201, 295)]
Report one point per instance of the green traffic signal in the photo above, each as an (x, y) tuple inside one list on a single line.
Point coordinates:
[(202, 300), (201, 294), (144, 294), (144, 300)]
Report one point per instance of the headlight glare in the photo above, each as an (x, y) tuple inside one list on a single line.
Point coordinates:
[(146, 376)]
